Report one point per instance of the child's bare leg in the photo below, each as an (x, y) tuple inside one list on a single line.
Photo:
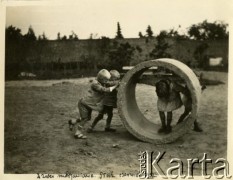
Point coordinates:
[(109, 120), (83, 110), (183, 116), (169, 120), (85, 114), (162, 118)]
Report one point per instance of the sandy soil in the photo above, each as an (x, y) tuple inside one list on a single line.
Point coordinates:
[(37, 138)]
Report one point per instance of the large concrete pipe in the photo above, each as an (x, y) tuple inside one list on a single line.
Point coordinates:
[(133, 119)]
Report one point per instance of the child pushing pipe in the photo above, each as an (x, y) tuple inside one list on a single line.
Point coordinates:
[(93, 101)]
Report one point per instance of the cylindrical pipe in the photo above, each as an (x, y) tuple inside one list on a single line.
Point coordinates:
[(133, 119)]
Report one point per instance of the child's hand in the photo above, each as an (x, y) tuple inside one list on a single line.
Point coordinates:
[(113, 87)]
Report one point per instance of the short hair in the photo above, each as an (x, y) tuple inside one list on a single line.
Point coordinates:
[(103, 75), (115, 75)]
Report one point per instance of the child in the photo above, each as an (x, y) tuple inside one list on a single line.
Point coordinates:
[(93, 101), (168, 100), (109, 102)]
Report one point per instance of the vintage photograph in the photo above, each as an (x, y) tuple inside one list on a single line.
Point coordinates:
[(116, 89)]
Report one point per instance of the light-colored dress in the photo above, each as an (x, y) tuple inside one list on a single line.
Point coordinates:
[(172, 102)]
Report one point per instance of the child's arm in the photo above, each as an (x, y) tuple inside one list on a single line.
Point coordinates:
[(98, 87), (179, 88), (112, 83)]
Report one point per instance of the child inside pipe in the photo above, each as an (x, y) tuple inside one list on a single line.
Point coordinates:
[(169, 99), (109, 102), (93, 101)]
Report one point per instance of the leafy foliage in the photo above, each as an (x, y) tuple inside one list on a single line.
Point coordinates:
[(200, 55), (172, 33), (120, 56), (209, 31), (59, 36), (140, 35), (13, 34), (42, 37), (161, 47), (30, 36), (27, 53), (149, 32)]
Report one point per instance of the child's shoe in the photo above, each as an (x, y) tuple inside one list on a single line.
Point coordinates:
[(168, 129), (79, 135), (178, 122), (110, 130), (162, 130), (90, 130), (197, 127)]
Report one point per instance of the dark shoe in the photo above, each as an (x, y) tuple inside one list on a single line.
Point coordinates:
[(162, 130), (178, 122), (168, 129), (110, 130), (197, 127), (90, 130)]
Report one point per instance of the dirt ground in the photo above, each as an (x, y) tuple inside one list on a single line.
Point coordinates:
[(37, 138)]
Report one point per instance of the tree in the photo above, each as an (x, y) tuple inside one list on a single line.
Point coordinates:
[(30, 36), (39, 38), (161, 47), (104, 45), (172, 33), (73, 36), (14, 52), (149, 32), (119, 34), (200, 55), (14, 42), (209, 31), (64, 38), (70, 37), (42, 37), (91, 36), (13, 34), (140, 35), (59, 36), (120, 56), (175, 34)]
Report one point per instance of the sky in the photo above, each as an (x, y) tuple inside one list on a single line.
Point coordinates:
[(100, 17)]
